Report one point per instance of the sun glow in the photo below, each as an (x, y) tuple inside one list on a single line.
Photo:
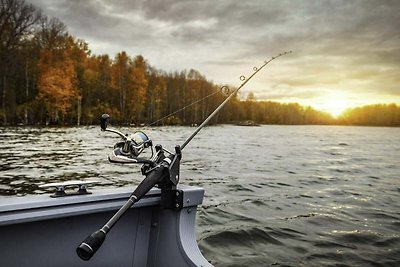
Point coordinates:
[(334, 106), (334, 103)]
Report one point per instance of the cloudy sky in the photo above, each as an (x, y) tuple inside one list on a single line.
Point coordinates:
[(345, 53)]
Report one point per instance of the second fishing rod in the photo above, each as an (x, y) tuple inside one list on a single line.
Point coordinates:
[(161, 168)]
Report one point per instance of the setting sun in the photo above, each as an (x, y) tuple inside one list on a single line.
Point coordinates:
[(334, 106)]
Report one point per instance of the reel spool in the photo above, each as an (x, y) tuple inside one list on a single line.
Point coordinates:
[(137, 143), (130, 147)]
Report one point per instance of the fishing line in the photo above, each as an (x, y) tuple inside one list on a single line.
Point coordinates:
[(187, 106)]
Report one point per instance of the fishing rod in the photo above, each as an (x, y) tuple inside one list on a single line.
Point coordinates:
[(161, 168)]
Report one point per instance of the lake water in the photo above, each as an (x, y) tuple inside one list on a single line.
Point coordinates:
[(275, 195)]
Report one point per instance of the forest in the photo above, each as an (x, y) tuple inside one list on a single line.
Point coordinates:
[(49, 77)]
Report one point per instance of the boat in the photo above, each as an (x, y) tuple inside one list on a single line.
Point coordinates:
[(247, 123), (156, 220), (158, 230), (41, 230)]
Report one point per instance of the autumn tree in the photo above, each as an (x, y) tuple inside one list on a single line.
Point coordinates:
[(57, 89), (250, 106), (156, 95), (61, 72), (195, 91), (137, 89), (120, 79)]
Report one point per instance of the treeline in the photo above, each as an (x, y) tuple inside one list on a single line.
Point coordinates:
[(374, 115), (50, 77), (47, 76)]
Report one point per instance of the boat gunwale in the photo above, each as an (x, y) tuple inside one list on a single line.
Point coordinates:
[(43, 207)]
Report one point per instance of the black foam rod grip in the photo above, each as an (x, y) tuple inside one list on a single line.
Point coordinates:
[(90, 245), (150, 181)]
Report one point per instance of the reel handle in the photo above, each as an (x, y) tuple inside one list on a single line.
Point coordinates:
[(103, 121)]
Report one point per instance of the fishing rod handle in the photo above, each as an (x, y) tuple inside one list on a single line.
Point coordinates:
[(92, 243), (152, 178)]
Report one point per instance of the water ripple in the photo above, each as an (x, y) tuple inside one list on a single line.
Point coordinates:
[(275, 195)]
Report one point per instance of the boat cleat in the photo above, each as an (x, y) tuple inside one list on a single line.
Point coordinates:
[(60, 187)]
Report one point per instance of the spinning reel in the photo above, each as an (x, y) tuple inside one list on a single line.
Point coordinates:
[(128, 150), (130, 147)]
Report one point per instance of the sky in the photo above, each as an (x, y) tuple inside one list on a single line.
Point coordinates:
[(345, 53)]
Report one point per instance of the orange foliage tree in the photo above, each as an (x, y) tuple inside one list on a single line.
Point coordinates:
[(57, 86), (137, 87)]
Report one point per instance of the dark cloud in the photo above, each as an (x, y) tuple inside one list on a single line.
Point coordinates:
[(88, 17), (336, 43)]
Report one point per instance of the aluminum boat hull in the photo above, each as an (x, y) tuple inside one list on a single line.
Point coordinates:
[(43, 231)]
